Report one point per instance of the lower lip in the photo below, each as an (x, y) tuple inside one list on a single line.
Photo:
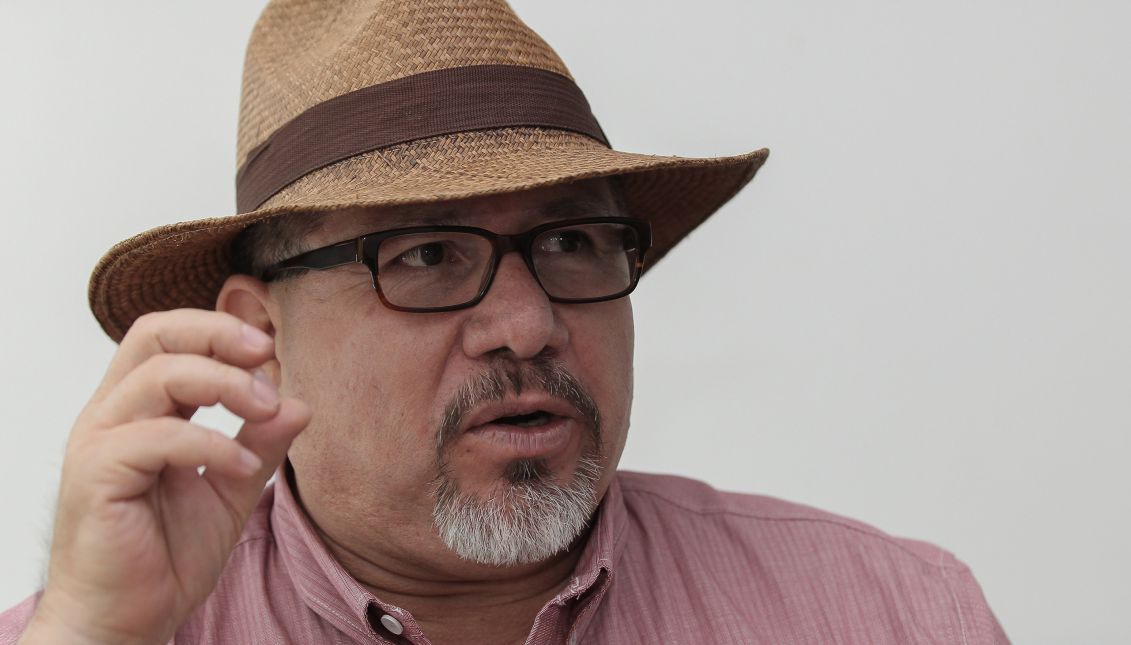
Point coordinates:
[(517, 442)]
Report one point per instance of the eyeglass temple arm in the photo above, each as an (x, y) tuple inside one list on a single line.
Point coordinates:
[(327, 257)]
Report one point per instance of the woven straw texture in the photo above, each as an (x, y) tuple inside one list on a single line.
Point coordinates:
[(304, 52)]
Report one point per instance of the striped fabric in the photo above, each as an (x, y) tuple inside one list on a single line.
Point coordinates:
[(669, 560)]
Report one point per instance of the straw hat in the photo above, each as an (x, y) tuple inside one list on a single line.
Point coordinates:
[(380, 102)]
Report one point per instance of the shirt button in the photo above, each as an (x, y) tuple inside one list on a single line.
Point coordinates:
[(392, 624)]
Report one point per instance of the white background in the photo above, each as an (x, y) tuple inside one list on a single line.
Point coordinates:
[(916, 315)]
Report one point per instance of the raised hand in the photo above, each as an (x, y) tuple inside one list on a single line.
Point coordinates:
[(140, 535)]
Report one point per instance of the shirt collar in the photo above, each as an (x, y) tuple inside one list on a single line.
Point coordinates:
[(324, 585), (329, 590), (593, 574), (604, 545)]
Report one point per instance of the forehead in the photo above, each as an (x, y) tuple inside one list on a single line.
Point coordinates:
[(507, 212)]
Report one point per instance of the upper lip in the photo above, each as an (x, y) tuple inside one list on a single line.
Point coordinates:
[(514, 406)]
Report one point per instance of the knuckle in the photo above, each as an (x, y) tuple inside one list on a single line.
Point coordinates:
[(227, 374), (174, 370), (154, 325), (148, 320), (165, 428), (161, 426), (144, 326), (208, 377), (162, 366), (103, 416)]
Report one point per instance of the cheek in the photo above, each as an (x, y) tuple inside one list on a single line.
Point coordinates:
[(371, 384), (603, 345)]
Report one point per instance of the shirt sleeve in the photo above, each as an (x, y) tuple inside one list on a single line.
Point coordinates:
[(15, 620)]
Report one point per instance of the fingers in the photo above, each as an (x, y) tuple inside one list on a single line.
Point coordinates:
[(132, 505), (147, 447), (139, 451), (270, 440), (166, 383), (188, 331)]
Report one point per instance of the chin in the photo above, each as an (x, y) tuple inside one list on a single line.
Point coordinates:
[(531, 513)]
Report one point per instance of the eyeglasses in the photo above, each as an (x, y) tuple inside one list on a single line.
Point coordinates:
[(443, 268)]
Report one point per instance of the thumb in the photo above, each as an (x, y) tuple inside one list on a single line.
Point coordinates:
[(270, 440)]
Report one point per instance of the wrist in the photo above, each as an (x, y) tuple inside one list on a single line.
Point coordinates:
[(49, 626), (42, 631)]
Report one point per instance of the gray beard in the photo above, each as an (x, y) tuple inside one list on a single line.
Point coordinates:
[(529, 517), (526, 521)]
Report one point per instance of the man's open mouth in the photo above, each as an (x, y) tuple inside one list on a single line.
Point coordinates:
[(531, 420), (535, 426), (532, 414)]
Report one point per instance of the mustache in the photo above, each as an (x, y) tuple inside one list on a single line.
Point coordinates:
[(540, 374)]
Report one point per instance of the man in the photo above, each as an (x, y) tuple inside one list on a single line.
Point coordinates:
[(421, 311)]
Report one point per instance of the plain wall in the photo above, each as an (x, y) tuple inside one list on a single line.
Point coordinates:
[(916, 315)]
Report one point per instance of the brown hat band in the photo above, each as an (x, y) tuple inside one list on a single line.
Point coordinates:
[(423, 105)]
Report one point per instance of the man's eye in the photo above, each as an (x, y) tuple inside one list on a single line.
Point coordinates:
[(565, 242), (425, 255)]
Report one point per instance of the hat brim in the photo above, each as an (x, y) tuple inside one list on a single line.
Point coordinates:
[(185, 264)]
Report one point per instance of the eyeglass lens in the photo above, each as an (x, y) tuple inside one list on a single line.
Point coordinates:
[(448, 268)]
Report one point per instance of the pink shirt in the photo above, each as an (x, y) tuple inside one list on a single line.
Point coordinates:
[(669, 560)]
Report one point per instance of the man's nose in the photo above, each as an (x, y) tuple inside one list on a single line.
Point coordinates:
[(516, 315)]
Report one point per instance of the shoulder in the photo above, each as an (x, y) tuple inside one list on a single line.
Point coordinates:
[(15, 620), (675, 500), (789, 559)]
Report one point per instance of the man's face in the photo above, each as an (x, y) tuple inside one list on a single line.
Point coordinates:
[(407, 405)]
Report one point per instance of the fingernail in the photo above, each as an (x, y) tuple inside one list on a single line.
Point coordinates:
[(264, 389), (254, 337), (250, 462)]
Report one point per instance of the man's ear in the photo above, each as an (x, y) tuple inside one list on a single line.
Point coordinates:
[(251, 301)]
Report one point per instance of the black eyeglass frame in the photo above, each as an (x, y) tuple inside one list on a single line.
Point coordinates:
[(363, 250)]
